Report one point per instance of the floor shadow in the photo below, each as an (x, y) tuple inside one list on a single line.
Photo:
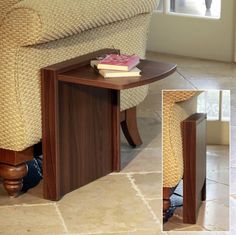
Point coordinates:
[(150, 130)]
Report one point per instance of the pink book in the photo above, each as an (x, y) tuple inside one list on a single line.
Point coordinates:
[(118, 62)]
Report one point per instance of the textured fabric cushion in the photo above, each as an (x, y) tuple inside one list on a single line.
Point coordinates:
[(20, 103), (5, 5), (177, 106), (32, 22)]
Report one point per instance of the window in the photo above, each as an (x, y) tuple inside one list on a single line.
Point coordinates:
[(216, 104), (203, 8), (225, 104), (160, 7)]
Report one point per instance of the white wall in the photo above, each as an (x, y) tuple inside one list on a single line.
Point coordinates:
[(235, 32), (217, 132), (195, 37)]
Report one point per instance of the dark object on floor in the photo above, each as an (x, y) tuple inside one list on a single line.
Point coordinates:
[(176, 201), (34, 175)]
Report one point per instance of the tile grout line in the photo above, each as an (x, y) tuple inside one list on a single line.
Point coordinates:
[(27, 205), (186, 79), (109, 232), (135, 187), (217, 201), (61, 218), (153, 198), (142, 149), (217, 182), (191, 226), (136, 173)]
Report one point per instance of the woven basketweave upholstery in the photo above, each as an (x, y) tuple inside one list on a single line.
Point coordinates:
[(5, 5), (37, 33), (177, 106), (56, 19)]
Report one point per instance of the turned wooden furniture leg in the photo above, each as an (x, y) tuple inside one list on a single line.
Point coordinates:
[(12, 177), (130, 127), (194, 155), (13, 169)]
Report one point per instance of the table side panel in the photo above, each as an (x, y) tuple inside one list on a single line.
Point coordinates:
[(194, 155), (81, 120), (201, 161), (85, 134), (116, 117), (50, 135)]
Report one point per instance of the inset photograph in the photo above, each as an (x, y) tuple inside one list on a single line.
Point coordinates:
[(195, 148)]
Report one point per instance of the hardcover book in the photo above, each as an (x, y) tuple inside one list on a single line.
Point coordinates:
[(135, 72), (119, 62)]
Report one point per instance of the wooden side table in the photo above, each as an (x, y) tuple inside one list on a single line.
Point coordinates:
[(194, 155), (81, 121)]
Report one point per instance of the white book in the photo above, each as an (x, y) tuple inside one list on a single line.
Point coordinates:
[(135, 72)]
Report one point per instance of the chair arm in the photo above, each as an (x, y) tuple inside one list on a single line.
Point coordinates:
[(177, 106), (179, 96), (33, 22), (5, 6)]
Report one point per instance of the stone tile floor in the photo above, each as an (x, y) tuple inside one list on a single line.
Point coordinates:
[(129, 202), (217, 198)]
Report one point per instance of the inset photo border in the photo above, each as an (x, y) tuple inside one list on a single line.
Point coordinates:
[(195, 151)]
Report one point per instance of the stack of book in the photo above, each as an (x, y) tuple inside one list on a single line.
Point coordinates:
[(116, 65)]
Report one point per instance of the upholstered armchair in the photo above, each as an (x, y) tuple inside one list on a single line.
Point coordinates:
[(38, 33), (177, 106)]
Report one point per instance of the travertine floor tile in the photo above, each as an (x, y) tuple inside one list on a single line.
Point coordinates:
[(106, 205), (192, 228), (147, 232), (33, 196), (150, 132), (217, 163), (151, 107), (206, 78), (18, 220), (145, 161), (213, 221), (197, 233), (175, 223), (217, 191), (138, 232), (233, 181), (175, 81), (219, 176), (156, 205), (149, 184), (233, 214), (233, 147)]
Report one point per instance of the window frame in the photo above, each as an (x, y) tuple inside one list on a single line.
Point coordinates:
[(220, 104), (167, 11)]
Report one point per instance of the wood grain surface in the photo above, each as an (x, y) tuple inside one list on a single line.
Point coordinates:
[(194, 155), (81, 121)]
